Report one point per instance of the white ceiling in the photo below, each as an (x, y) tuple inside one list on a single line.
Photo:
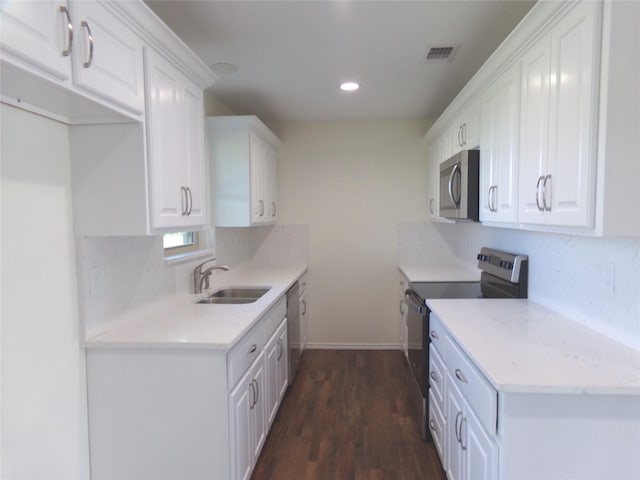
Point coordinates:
[(292, 55)]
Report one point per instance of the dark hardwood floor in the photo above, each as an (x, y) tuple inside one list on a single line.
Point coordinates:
[(347, 416)]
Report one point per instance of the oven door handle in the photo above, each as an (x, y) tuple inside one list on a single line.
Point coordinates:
[(415, 301)]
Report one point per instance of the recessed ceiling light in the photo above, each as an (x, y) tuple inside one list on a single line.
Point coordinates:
[(349, 86), (223, 68)]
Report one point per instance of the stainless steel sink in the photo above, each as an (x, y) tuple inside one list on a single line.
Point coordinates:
[(236, 295)]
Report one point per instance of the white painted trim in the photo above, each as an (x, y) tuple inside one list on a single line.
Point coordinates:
[(352, 346)]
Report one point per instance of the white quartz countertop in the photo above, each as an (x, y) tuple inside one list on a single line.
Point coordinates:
[(440, 273), (178, 321), (523, 347)]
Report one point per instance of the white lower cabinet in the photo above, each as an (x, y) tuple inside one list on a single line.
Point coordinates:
[(277, 371), (483, 433), (185, 413), (247, 419), (472, 453)]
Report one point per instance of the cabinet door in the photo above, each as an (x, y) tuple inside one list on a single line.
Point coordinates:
[(571, 159), (257, 172), (480, 451), (38, 33), (534, 117), (270, 179), (193, 154), (272, 351), (283, 363), (258, 422), (241, 402), (488, 155), (165, 143), (455, 415), (433, 184), (107, 56), (403, 309), (507, 122)]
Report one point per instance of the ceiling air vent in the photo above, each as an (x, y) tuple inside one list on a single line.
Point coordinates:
[(441, 54)]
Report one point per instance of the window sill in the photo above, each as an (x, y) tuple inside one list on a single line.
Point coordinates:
[(188, 257)]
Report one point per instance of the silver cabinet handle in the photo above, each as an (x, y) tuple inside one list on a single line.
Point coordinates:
[(431, 207), (258, 396), (401, 303), (454, 171), (432, 425), (540, 207), (87, 64), (281, 348), (273, 209), (492, 198), (67, 51), (190, 198), (460, 376), (434, 335), (261, 209), (184, 199), (434, 377), (464, 134), (460, 136), (304, 310), (253, 348), (456, 427), (544, 193), (254, 396), (463, 421)]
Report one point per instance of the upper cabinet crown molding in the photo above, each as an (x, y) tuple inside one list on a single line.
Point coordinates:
[(531, 27), (80, 62), (157, 34)]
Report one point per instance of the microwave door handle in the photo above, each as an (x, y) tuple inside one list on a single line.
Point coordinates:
[(456, 169)]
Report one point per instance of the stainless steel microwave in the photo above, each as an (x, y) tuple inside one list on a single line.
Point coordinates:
[(459, 186)]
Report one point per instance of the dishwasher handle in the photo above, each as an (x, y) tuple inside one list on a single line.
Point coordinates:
[(415, 301)]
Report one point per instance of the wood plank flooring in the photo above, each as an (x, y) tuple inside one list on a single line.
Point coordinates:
[(347, 417)]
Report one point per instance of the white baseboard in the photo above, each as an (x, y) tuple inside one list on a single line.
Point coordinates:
[(352, 346)]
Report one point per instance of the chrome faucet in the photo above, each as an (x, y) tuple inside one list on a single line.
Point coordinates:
[(201, 277)]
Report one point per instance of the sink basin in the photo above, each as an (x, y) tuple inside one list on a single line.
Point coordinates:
[(236, 295)]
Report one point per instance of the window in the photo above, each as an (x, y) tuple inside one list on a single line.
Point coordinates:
[(181, 243), (179, 240)]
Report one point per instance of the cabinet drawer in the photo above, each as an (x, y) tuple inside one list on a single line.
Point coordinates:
[(274, 317), (437, 372), (479, 393), (437, 334), (243, 354), (437, 426)]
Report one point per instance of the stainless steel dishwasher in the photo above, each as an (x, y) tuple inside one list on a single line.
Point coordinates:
[(293, 330)]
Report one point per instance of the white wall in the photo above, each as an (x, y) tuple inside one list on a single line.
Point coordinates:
[(351, 182), (44, 423)]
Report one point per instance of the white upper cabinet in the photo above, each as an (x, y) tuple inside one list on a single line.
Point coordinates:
[(39, 33), (78, 45), (175, 142), (465, 130), (500, 120), (559, 123), (107, 56), (244, 173)]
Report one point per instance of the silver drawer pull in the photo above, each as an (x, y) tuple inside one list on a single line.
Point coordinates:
[(435, 377), (253, 348), (460, 376), (434, 335)]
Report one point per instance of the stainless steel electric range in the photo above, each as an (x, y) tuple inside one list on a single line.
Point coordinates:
[(503, 275)]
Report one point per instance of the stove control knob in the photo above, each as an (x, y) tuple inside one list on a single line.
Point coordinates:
[(506, 265), (482, 258)]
